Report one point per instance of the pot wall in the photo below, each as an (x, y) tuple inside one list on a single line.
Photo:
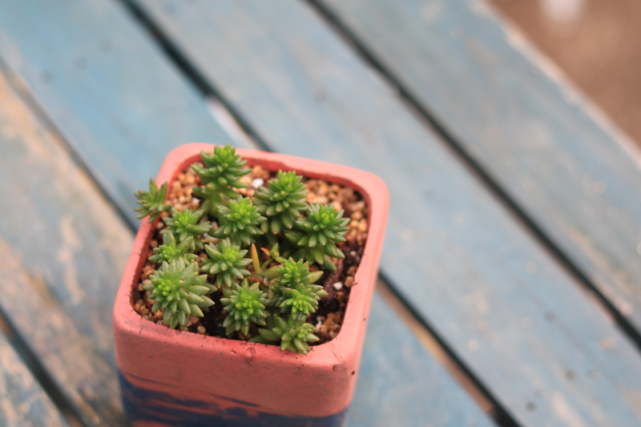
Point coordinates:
[(171, 377)]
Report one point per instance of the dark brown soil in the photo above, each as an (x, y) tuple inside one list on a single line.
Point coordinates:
[(329, 316)]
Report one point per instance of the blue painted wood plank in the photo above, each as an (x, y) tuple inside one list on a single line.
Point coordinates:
[(411, 388), (108, 85), (544, 144), (63, 250), (22, 400), (501, 302), (73, 248)]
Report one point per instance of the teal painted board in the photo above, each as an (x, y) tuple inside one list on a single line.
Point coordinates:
[(400, 384), (57, 222), (23, 403), (557, 158), (107, 86), (507, 309), (87, 381), (63, 250)]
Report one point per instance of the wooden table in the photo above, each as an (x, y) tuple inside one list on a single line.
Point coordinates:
[(512, 265)]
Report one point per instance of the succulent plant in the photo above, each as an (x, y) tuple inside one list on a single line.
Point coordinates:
[(318, 234), (221, 174), (301, 300), (152, 202), (291, 274), (240, 221), (185, 223), (227, 262), (285, 235), (292, 334), (179, 291), (282, 202), (169, 251), (244, 304)]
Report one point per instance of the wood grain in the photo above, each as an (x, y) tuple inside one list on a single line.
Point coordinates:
[(508, 310), (63, 248), (110, 88), (23, 403), (544, 144)]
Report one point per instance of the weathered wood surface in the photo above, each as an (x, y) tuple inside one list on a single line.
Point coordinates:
[(501, 302), (400, 384), (559, 160), (23, 403), (63, 248), (108, 85)]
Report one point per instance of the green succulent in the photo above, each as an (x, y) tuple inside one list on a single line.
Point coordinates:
[(301, 300), (227, 262), (291, 274), (152, 202), (244, 304), (179, 291), (169, 251), (240, 221), (282, 202), (221, 174), (319, 233), (292, 334), (185, 223)]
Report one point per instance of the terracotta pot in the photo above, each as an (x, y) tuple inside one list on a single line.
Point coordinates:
[(170, 377)]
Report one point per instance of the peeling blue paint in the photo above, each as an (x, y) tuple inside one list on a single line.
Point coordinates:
[(141, 404)]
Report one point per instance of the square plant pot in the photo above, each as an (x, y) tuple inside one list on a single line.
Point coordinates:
[(170, 377)]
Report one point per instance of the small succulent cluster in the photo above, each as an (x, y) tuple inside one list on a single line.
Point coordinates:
[(213, 253), (281, 202), (186, 224), (179, 291), (153, 202), (244, 304), (221, 174), (318, 234), (169, 251), (239, 221), (226, 262)]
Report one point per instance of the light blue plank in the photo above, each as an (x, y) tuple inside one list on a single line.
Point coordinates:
[(400, 384), (63, 249), (22, 400), (575, 175), (108, 86), (507, 309)]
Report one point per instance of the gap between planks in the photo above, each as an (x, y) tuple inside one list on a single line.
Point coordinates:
[(431, 344), (35, 368)]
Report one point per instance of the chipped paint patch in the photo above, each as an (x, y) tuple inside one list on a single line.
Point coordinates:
[(563, 410), (70, 274)]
